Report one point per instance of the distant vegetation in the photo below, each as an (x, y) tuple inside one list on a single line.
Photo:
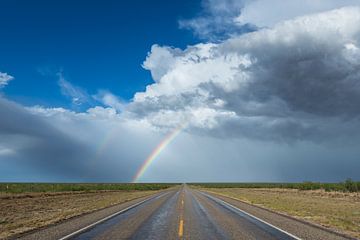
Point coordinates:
[(64, 187), (346, 186)]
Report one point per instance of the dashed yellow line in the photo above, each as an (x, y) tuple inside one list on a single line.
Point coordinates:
[(181, 222), (181, 228)]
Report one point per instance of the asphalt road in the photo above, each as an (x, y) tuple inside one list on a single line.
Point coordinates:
[(184, 213)]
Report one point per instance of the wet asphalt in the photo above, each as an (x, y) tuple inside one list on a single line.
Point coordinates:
[(186, 213)]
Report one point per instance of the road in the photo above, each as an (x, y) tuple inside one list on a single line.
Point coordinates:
[(183, 213)]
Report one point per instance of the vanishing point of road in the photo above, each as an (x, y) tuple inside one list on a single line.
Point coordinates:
[(183, 213)]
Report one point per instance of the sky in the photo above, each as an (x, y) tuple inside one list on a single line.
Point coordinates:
[(180, 91)]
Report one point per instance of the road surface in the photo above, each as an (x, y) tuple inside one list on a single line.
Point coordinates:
[(183, 213)]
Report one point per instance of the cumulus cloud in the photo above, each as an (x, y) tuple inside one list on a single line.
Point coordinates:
[(4, 79), (296, 82), (302, 75)]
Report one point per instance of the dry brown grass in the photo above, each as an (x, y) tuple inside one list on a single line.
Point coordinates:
[(28, 211), (336, 210)]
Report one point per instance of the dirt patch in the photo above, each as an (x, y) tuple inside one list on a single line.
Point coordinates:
[(336, 210), (28, 211)]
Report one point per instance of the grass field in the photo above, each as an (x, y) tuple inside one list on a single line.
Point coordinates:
[(27, 206), (346, 186), (70, 187), (336, 210)]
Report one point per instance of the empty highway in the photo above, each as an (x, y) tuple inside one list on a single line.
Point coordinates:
[(183, 213)]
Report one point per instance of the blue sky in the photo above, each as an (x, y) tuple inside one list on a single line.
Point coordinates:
[(88, 91), (96, 46)]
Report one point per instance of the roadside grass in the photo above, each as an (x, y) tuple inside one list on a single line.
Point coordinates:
[(70, 187), (346, 186), (339, 211), (28, 206)]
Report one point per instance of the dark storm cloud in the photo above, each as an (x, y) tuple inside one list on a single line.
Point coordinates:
[(255, 108), (37, 142), (40, 145), (310, 74)]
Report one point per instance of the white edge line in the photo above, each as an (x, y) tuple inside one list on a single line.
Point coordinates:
[(108, 217), (250, 215)]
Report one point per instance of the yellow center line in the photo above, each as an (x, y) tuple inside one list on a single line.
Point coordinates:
[(181, 228), (181, 223)]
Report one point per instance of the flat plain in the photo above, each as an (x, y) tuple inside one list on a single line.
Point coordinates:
[(25, 207), (339, 211), (32, 208)]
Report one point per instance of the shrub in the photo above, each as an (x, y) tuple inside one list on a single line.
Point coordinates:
[(350, 185)]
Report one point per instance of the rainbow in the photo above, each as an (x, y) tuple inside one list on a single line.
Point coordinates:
[(159, 148)]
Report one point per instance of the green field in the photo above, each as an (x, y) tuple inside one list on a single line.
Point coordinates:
[(346, 186), (65, 187)]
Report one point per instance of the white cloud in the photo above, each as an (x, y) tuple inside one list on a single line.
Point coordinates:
[(5, 79), (221, 19), (217, 20), (187, 70), (101, 145), (265, 13), (77, 95), (160, 60), (80, 96), (300, 75), (110, 100), (6, 151), (296, 82)]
